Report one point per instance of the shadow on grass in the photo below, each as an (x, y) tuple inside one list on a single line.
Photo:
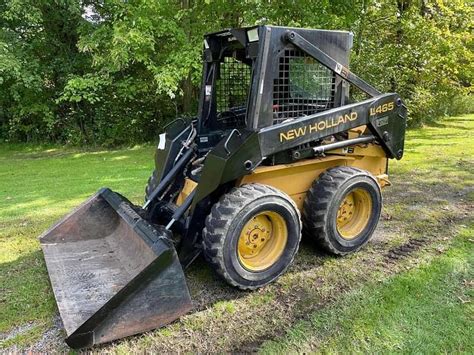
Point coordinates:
[(430, 136), (35, 151), (207, 288), (56, 201)]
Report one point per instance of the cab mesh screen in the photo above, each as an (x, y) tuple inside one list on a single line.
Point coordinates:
[(232, 85), (303, 87)]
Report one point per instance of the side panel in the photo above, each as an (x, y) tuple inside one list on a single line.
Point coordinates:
[(296, 179), (384, 115), (234, 156)]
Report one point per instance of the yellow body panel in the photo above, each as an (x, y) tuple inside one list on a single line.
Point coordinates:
[(188, 187), (295, 179)]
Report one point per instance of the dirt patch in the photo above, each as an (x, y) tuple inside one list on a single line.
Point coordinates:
[(22, 329), (52, 340), (405, 250)]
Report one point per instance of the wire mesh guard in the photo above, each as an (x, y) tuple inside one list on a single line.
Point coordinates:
[(232, 85), (303, 87)]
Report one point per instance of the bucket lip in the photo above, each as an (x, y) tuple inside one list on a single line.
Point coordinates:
[(85, 334)]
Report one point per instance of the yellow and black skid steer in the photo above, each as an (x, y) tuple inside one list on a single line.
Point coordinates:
[(280, 147)]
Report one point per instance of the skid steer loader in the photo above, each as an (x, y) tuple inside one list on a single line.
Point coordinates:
[(280, 146)]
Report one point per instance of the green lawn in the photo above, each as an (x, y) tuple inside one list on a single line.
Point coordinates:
[(425, 310), (37, 186), (368, 301)]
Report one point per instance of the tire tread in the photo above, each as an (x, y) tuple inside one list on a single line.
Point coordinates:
[(220, 218), (315, 207)]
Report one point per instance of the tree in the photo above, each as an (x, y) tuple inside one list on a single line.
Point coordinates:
[(115, 71), (38, 50)]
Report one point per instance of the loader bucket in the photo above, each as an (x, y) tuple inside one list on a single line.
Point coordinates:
[(113, 274)]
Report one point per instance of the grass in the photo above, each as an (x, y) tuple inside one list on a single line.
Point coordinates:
[(425, 310), (432, 195), (444, 151), (39, 185)]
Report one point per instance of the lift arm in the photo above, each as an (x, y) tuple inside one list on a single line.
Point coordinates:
[(384, 114)]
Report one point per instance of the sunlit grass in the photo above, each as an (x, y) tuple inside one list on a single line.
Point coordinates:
[(425, 310), (38, 185), (446, 150)]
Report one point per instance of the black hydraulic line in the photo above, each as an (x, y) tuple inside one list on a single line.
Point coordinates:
[(324, 148), (306, 46), (181, 209), (180, 164)]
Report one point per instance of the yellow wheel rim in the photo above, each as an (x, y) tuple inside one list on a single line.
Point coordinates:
[(354, 213), (262, 241)]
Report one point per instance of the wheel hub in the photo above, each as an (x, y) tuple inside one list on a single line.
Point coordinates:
[(262, 241), (346, 210), (354, 213), (256, 234)]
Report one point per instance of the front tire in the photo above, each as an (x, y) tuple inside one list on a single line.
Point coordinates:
[(342, 209), (252, 235)]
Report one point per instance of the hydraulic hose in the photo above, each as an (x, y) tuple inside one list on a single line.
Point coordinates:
[(168, 178)]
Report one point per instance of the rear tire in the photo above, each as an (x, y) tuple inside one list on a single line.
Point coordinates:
[(252, 235), (342, 209)]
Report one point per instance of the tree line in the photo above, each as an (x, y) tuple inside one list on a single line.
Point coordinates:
[(115, 71)]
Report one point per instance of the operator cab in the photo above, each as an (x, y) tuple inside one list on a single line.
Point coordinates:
[(229, 59), (253, 78)]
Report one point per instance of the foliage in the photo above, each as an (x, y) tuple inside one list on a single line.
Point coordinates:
[(422, 50), (37, 54), (114, 72)]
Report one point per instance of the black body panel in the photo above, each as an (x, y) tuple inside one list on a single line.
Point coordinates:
[(284, 136), (169, 145)]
